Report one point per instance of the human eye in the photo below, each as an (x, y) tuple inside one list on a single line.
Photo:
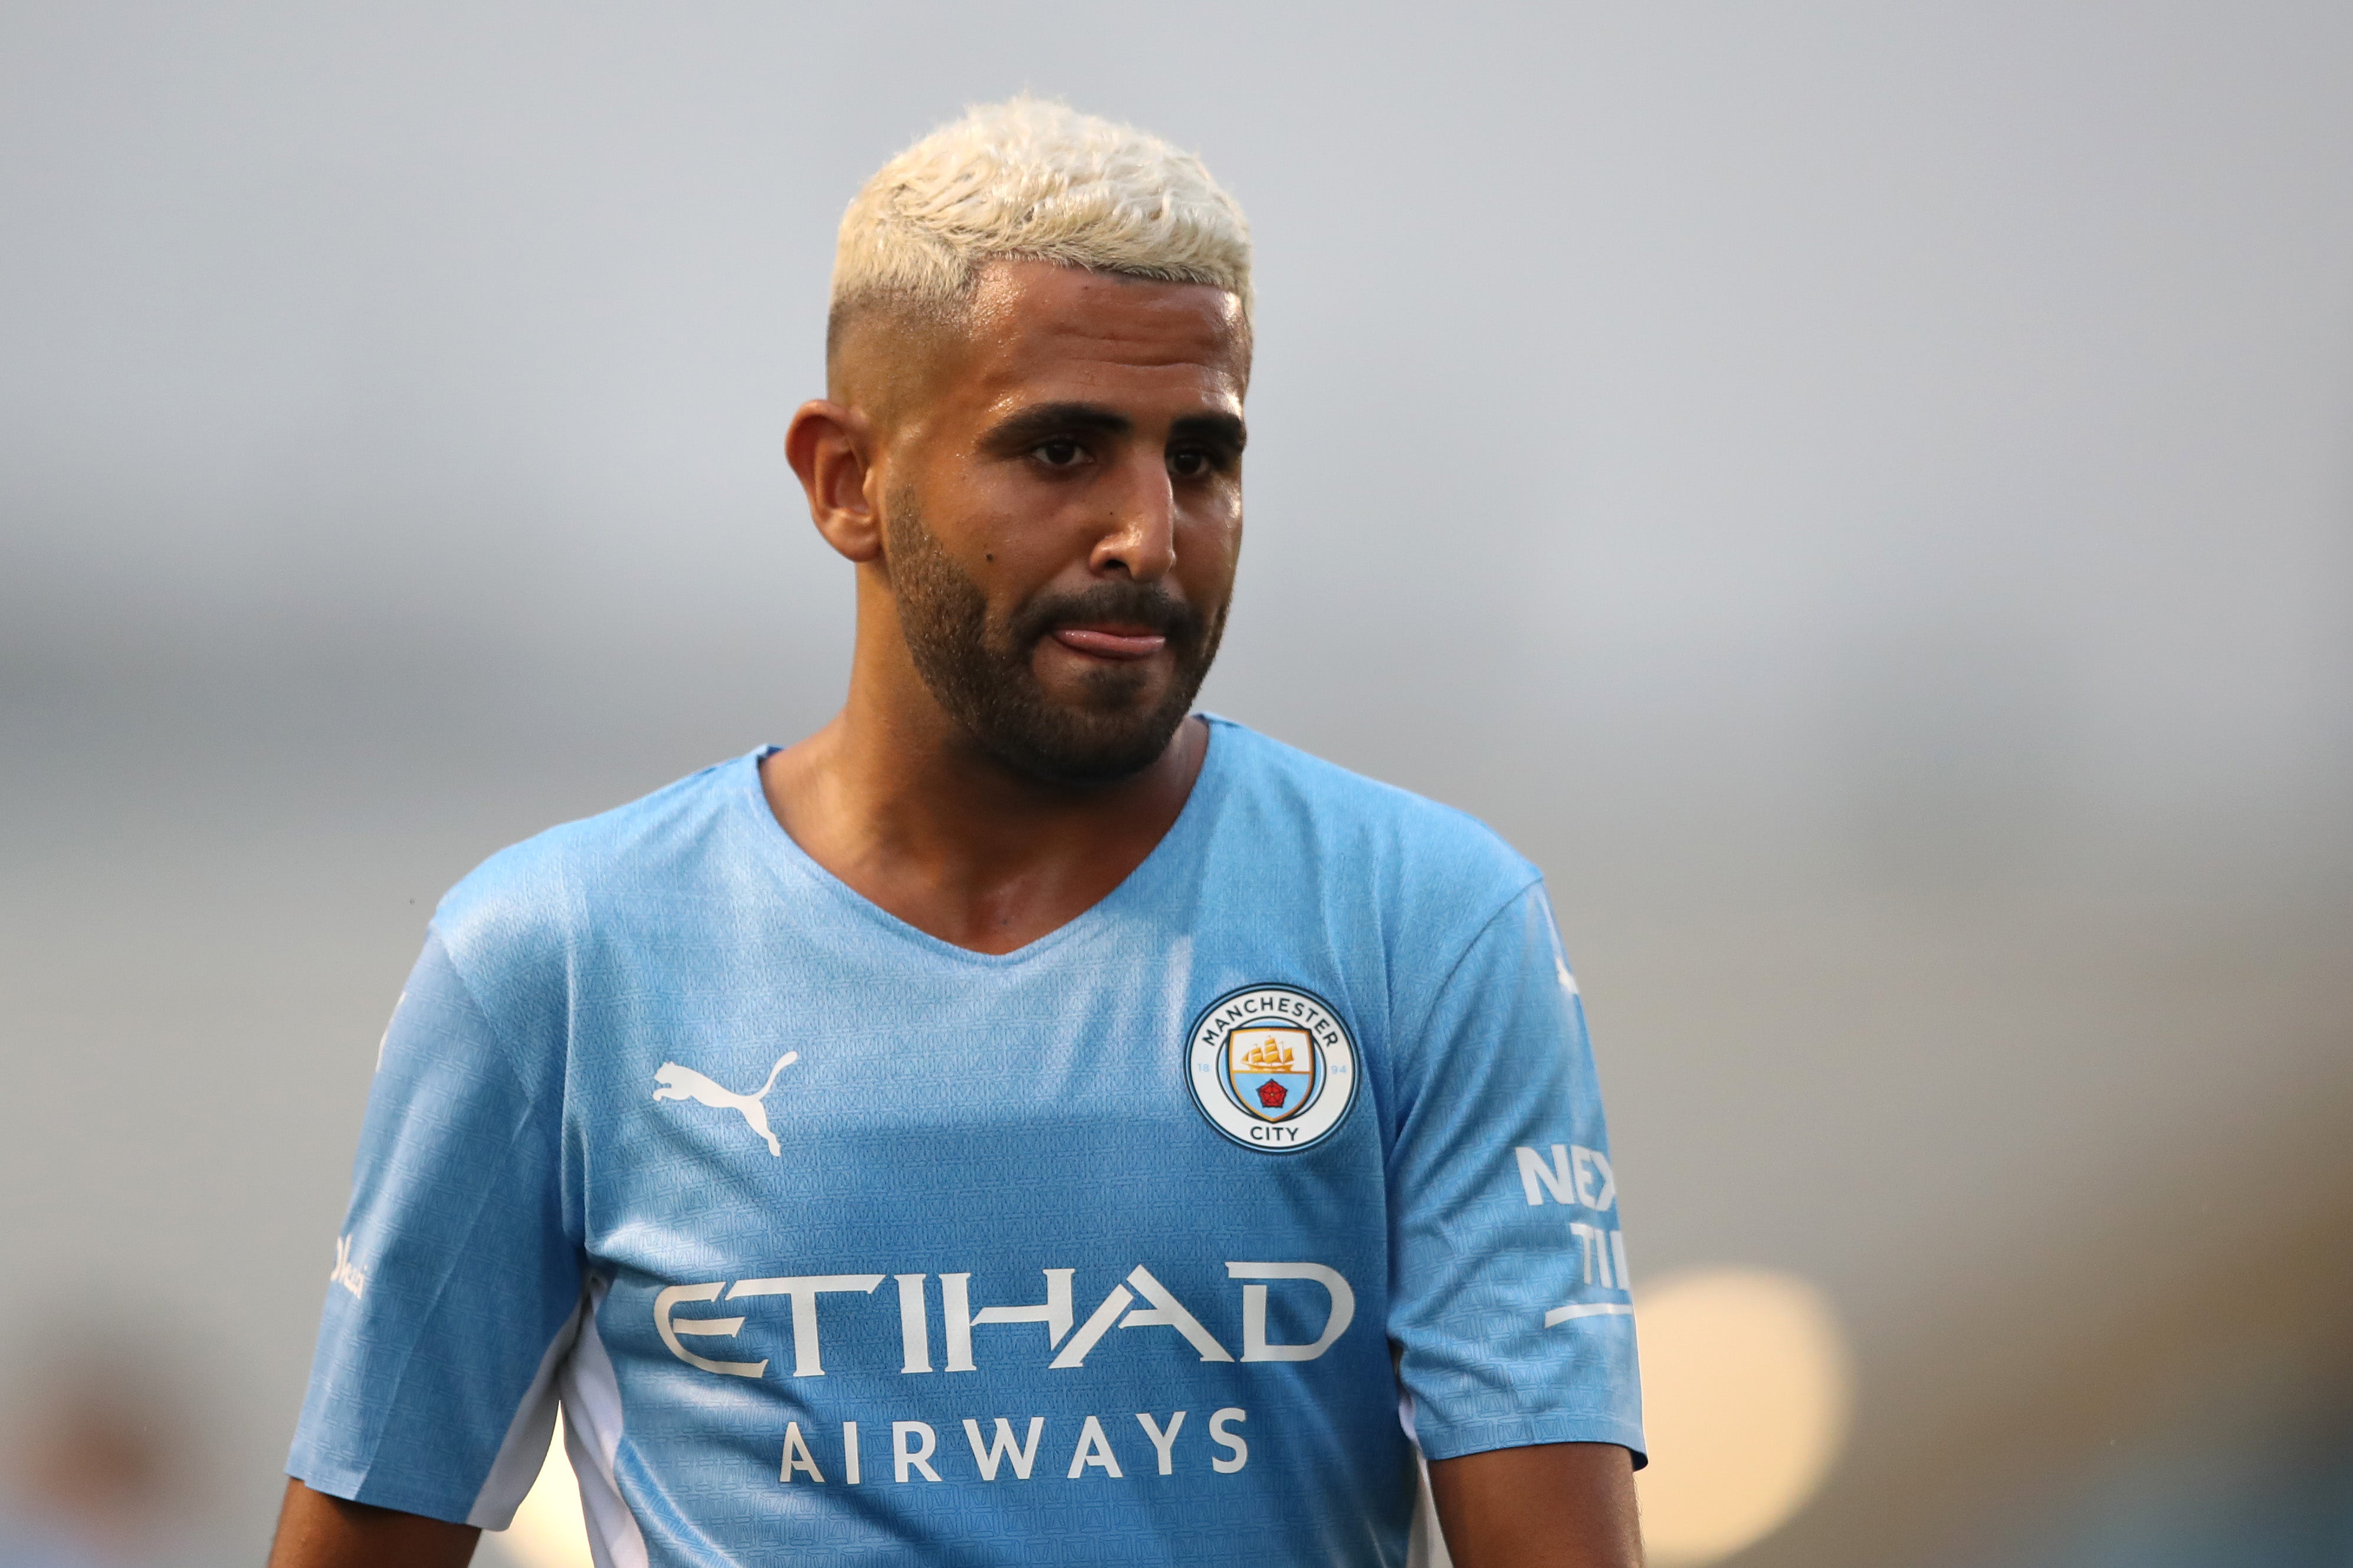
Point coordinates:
[(1191, 462), (1060, 452)]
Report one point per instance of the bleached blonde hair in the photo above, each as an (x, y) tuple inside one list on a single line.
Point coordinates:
[(1032, 180)]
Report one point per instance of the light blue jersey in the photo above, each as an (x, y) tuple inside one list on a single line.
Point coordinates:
[(840, 1244)]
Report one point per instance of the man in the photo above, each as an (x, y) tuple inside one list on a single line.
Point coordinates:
[(1025, 1121)]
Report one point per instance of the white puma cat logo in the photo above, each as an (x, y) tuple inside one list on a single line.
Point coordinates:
[(685, 1083)]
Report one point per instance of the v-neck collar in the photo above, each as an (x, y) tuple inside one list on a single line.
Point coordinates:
[(785, 852)]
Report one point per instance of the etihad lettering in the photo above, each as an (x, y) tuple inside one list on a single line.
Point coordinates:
[(915, 1323), (1318, 1301), (955, 1300), (918, 1456), (802, 1290), (670, 1328), (1163, 1311), (1255, 1346)]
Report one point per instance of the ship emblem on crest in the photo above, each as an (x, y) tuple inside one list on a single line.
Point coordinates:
[(1272, 1066), (1271, 1070)]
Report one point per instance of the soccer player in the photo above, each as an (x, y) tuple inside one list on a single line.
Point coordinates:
[(1026, 1120)]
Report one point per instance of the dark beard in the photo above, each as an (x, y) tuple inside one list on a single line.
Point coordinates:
[(980, 673)]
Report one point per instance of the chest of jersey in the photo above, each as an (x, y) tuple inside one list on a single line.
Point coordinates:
[(1107, 1198)]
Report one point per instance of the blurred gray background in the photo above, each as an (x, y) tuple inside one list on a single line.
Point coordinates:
[(1862, 495)]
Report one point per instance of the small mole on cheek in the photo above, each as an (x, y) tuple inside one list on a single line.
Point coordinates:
[(988, 555)]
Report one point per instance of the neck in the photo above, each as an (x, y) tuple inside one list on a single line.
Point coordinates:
[(907, 809)]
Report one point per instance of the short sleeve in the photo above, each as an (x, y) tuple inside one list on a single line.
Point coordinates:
[(1509, 1306), (456, 1290)]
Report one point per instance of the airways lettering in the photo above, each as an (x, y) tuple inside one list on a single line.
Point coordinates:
[(917, 1453)]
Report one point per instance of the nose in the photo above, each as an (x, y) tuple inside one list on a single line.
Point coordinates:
[(1139, 537)]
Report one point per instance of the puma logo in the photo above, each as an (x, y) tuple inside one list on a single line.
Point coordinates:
[(685, 1083)]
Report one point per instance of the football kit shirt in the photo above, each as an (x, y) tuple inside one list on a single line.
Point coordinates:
[(1163, 1239)]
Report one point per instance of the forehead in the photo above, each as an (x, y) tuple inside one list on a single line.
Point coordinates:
[(1041, 330)]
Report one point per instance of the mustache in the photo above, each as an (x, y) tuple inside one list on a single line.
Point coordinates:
[(1147, 605)]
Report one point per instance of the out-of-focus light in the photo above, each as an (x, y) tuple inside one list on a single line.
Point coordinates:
[(548, 1531), (1746, 1385)]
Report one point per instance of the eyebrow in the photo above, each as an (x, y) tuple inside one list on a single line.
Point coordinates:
[(1045, 420), (1225, 430), (1024, 429)]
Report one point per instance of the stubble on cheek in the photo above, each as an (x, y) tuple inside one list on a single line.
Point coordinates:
[(986, 676)]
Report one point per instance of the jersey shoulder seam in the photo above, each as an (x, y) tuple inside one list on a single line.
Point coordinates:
[(1437, 992), (510, 1047)]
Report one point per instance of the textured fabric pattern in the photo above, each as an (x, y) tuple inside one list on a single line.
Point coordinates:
[(901, 1251)]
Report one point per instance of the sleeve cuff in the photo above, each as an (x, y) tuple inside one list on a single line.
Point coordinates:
[(1451, 1442)]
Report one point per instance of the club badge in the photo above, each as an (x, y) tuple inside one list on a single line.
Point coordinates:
[(1271, 1066)]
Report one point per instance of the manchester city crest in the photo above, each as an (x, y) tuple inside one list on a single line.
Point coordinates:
[(1271, 1066)]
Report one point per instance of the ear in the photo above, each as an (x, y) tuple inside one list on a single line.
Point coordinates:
[(831, 446)]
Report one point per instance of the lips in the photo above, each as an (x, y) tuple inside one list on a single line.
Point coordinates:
[(1124, 643)]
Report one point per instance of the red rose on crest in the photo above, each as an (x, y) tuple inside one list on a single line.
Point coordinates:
[(1271, 1095)]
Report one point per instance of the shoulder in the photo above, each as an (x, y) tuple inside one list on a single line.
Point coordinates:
[(1423, 863), (531, 905)]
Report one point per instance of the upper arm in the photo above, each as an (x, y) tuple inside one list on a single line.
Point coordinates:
[(1508, 1301), (456, 1286)]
